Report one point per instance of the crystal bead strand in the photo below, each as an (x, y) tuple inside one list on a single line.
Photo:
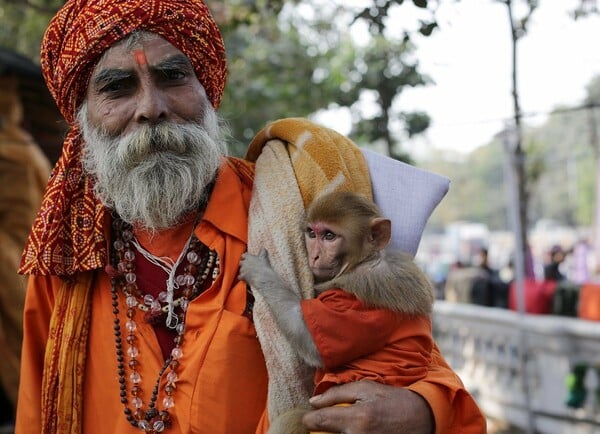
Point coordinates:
[(190, 284)]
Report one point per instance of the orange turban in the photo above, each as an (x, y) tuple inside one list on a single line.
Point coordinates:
[(68, 233)]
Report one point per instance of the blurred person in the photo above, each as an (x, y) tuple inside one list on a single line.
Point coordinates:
[(24, 171), (459, 282), (135, 319), (487, 288), (552, 269)]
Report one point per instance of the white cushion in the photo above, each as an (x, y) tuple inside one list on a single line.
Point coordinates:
[(406, 195)]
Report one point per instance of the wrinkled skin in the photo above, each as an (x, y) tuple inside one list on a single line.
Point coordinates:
[(377, 409), (154, 83)]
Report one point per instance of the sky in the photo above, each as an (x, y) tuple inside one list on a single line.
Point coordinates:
[(469, 59)]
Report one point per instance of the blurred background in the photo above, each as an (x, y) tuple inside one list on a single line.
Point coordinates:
[(500, 96)]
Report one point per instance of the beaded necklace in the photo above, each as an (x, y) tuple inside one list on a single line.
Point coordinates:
[(170, 306)]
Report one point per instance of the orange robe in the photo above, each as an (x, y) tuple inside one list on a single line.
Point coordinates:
[(222, 385), (356, 342)]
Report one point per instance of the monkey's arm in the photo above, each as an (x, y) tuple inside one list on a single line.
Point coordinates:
[(283, 302)]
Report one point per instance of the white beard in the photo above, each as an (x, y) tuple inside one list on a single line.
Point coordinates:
[(155, 175)]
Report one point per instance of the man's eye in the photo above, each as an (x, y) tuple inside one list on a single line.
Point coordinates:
[(114, 87), (174, 74)]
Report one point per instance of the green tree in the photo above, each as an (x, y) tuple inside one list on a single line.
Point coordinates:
[(561, 172), (276, 70), (385, 67), (301, 60), (385, 70), (24, 23)]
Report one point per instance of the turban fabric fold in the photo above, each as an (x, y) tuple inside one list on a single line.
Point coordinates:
[(68, 233)]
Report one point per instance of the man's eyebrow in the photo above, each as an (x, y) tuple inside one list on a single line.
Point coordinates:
[(176, 61), (110, 75)]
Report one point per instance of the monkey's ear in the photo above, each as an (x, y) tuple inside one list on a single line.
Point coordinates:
[(381, 232)]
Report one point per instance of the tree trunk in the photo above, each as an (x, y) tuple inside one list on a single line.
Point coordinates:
[(519, 195), (518, 158)]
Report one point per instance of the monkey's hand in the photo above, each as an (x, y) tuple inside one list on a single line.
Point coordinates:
[(283, 302), (256, 270)]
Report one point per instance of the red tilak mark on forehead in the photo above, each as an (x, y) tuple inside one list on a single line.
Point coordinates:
[(140, 57)]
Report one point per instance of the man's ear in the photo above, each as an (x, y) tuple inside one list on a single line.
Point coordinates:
[(381, 232)]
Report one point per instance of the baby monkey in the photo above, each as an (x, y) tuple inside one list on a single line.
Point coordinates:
[(371, 315)]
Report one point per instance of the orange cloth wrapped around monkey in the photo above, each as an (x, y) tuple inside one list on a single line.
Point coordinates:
[(357, 343)]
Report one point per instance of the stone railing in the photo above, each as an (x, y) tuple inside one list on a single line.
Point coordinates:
[(516, 366)]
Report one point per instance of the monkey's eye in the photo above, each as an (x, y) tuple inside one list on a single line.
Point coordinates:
[(329, 236), (310, 233)]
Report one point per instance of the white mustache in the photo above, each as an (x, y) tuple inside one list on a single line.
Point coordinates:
[(151, 139)]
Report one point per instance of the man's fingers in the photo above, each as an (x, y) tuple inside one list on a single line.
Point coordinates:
[(344, 394), (327, 420), (334, 411), (376, 409)]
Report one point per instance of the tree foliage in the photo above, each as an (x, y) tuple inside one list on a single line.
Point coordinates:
[(23, 23), (561, 160), (275, 72), (387, 69)]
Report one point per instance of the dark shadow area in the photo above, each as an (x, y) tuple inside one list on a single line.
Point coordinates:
[(42, 119)]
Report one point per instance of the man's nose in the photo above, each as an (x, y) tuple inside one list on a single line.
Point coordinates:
[(152, 106)]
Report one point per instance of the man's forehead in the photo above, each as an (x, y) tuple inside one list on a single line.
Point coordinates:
[(124, 54)]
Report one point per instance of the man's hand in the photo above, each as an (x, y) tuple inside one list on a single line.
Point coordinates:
[(375, 409)]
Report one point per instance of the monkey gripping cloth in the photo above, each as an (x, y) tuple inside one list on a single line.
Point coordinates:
[(296, 160)]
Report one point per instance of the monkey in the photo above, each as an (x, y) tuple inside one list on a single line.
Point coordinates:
[(370, 304)]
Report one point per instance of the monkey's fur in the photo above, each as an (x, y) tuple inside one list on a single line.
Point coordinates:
[(389, 280), (380, 279)]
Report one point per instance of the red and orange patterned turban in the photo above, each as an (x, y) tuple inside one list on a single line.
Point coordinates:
[(68, 233)]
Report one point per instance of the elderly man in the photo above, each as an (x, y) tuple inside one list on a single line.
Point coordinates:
[(135, 319)]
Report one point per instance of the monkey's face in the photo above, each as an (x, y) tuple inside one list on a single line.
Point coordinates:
[(327, 249)]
